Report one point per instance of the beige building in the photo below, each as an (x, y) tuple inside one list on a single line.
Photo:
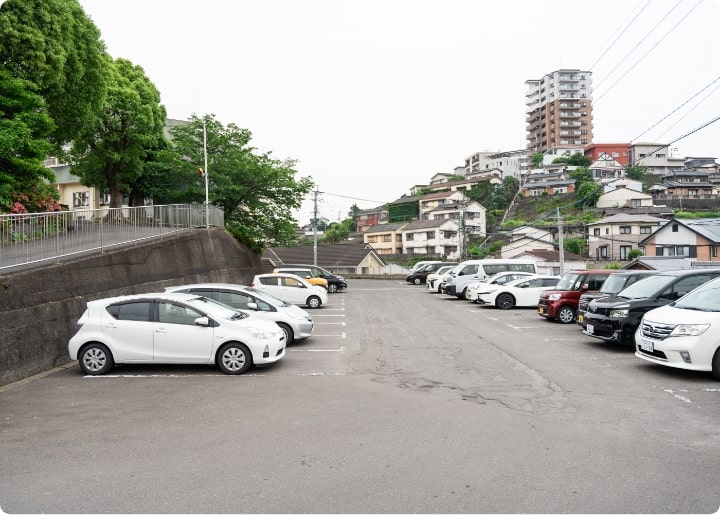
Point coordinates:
[(385, 238), (612, 238), (558, 110), (623, 196)]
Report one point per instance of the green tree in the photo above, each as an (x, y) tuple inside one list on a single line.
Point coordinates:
[(587, 194), (338, 232), (634, 253), (537, 160), (54, 45), (24, 128), (581, 175), (112, 154), (257, 192), (577, 159), (637, 173)]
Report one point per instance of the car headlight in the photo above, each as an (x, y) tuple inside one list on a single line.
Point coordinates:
[(689, 329), (261, 334), (487, 292), (618, 313), (554, 296)]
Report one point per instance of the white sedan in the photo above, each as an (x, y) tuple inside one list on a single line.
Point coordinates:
[(498, 278), (172, 328), (291, 289), (524, 292)]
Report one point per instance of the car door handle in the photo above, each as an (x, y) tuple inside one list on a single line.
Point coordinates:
[(161, 330)]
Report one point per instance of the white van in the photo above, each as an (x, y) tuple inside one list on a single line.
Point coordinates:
[(456, 281)]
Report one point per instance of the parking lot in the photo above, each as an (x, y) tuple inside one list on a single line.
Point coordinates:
[(401, 401)]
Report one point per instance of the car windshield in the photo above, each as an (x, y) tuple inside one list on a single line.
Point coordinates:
[(702, 298), (613, 284), (570, 282), (217, 309), (273, 301), (647, 287)]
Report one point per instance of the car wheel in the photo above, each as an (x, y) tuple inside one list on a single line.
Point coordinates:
[(332, 288), (95, 359), (565, 315), (716, 364), (289, 336), (505, 301), (234, 358), (313, 302), (417, 280)]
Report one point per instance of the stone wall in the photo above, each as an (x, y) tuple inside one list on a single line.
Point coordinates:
[(39, 307)]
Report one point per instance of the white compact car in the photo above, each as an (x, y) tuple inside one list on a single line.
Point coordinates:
[(499, 278), (523, 292), (684, 334), (291, 288), (172, 328), (434, 279), (293, 320)]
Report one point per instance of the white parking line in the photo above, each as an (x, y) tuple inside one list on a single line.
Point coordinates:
[(341, 335), (341, 349)]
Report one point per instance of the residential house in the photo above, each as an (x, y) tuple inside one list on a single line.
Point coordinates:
[(618, 152), (613, 237), (654, 157), (685, 184), (494, 177), (471, 215), (548, 181), (660, 263), (385, 238), (367, 218), (606, 169), (692, 238), (343, 258), (528, 238), (624, 193), (508, 164), (548, 261), (433, 237)]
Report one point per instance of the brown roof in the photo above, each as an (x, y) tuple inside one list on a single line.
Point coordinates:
[(553, 255), (327, 255)]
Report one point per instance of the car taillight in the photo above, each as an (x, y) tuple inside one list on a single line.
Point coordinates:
[(252, 285)]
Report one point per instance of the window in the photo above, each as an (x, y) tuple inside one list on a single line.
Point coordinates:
[(713, 250), (430, 235), (387, 238), (607, 230), (596, 232), (645, 229), (636, 202), (371, 239), (169, 313), (674, 227), (616, 154), (409, 236), (624, 249), (135, 311), (602, 252), (449, 235), (625, 229), (291, 282)]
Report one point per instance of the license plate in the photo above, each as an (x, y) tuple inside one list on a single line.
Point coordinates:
[(580, 318), (647, 345), (590, 328), (540, 311)]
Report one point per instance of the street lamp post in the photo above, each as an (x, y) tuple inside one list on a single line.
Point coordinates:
[(205, 176)]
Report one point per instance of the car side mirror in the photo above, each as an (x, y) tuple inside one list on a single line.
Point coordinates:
[(252, 305), (585, 287), (203, 321)]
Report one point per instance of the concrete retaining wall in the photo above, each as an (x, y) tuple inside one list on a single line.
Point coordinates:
[(39, 307)]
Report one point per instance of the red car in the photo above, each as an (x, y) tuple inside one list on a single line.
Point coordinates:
[(561, 303)]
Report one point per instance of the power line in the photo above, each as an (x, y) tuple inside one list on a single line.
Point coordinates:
[(690, 111), (619, 35)]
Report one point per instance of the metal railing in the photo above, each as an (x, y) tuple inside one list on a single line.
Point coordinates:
[(40, 237)]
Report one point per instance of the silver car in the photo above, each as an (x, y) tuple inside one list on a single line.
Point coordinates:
[(295, 322)]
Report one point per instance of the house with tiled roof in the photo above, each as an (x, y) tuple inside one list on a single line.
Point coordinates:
[(665, 263), (433, 237), (548, 181), (624, 194), (366, 218), (470, 214), (527, 238), (347, 258), (691, 238), (685, 184), (385, 238), (613, 237)]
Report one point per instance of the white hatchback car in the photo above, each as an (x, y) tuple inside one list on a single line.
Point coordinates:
[(293, 320), (523, 292), (434, 279), (291, 288), (498, 278), (172, 328), (684, 334)]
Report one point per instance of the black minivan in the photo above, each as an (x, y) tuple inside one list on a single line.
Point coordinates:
[(615, 319)]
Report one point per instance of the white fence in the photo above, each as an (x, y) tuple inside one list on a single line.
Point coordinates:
[(38, 237)]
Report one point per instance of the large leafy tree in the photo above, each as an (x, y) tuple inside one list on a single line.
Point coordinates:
[(115, 153), (24, 128), (256, 192), (54, 45)]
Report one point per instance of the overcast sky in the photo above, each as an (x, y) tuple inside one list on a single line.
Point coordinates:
[(373, 97)]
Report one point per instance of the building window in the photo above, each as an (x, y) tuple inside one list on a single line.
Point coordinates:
[(616, 154), (625, 229), (387, 238), (713, 250), (602, 252), (409, 237), (371, 239), (430, 235), (607, 230), (624, 249), (674, 227), (645, 229), (636, 202), (596, 232)]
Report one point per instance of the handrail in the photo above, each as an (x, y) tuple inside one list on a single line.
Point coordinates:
[(30, 238)]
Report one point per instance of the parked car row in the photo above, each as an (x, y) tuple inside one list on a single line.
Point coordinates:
[(670, 318), (229, 325)]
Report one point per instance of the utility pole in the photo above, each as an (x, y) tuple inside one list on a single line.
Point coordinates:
[(315, 215), (561, 248), (205, 176)]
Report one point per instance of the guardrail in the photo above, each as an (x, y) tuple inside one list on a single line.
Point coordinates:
[(39, 237)]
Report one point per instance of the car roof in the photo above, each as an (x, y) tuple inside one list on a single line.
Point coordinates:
[(684, 272), (280, 274), (209, 286), (140, 296)]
